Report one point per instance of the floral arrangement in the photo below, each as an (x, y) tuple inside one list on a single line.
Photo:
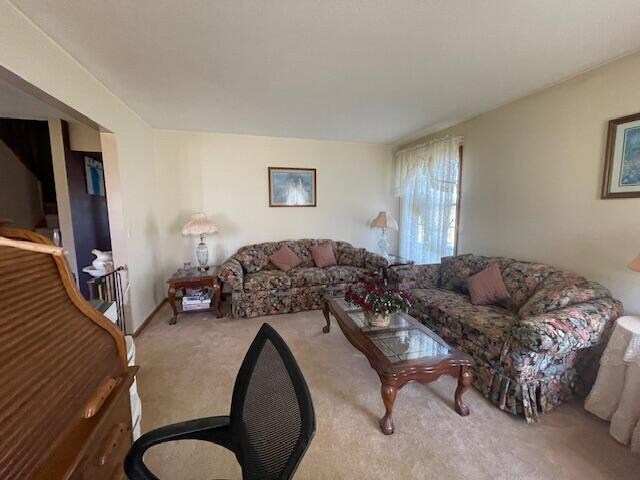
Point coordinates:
[(375, 297)]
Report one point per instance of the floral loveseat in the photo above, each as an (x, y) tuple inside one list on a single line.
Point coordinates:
[(535, 353), (260, 288)]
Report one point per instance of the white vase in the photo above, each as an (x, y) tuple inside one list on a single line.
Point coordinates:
[(103, 260)]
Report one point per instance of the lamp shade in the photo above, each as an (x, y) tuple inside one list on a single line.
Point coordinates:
[(199, 224), (635, 264), (384, 220)]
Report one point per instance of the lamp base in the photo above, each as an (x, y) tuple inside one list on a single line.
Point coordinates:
[(383, 244), (202, 254)]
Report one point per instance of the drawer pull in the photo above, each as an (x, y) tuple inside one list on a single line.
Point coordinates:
[(113, 440), (99, 397)]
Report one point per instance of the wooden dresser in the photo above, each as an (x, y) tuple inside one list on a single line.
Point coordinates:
[(64, 388)]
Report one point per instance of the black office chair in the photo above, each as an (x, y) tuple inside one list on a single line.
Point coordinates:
[(271, 423)]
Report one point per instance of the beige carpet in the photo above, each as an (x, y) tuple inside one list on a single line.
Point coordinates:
[(188, 370)]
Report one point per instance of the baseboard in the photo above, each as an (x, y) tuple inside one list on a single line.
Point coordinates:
[(148, 319)]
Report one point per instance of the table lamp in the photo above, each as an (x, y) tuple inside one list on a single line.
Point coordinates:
[(383, 221), (199, 224)]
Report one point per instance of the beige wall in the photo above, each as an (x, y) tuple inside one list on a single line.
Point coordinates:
[(532, 174), (63, 200), (83, 138), (225, 176), (28, 52), (20, 198)]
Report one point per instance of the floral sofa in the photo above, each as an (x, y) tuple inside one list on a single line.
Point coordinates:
[(260, 288), (531, 355)]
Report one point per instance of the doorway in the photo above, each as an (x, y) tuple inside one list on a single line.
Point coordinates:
[(87, 199)]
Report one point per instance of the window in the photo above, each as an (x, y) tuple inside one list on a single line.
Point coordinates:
[(428, 182)]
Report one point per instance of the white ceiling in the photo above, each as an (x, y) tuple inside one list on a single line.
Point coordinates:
[(356, 70)]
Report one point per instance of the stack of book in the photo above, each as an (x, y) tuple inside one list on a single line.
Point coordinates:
[(196, 299)]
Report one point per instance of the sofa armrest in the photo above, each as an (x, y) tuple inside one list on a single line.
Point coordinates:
[(408, 277), (570, 328), (374, 261), (231, 273)]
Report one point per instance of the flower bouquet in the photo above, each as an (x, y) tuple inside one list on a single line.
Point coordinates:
[(377, 300)]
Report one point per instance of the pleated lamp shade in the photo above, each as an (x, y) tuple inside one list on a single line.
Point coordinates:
[(635, 264), (199, 224), (384, 220)]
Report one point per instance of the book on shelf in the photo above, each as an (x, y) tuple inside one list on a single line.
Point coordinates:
[(199, 306), (195, 300), (198, 296)]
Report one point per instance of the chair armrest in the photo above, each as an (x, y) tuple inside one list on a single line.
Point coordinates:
[(231, 273), (570, 328), (408, 277), (210, 429), (374, 261)]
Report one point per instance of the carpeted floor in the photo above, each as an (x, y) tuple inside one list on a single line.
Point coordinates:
[(188, 370)]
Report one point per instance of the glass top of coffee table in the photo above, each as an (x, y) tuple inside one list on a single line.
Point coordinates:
[(403, 339), (409, 344)]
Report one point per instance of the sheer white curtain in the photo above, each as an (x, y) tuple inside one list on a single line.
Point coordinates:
[(426, 179)]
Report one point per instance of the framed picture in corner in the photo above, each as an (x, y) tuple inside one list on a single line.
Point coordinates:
[(621, 177), (94, 173), (292, 187)]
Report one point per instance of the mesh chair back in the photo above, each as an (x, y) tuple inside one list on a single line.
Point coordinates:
[(272, 417)]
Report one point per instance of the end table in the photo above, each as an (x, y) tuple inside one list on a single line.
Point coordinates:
[(394, 261), (397, 260), (615, 394), (193, 278)]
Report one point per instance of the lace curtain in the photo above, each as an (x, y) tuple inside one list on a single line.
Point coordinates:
[(426, 178)]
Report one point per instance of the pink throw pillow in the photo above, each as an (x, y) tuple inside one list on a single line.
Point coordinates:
[(487, 287), (323, 255), (285, 259)]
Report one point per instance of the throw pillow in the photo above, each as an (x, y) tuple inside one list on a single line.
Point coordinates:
[(323, 255), (487, 287), (285, 259), (456, 270)]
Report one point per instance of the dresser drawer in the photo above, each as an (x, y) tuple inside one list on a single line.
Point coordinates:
[(106, 454)]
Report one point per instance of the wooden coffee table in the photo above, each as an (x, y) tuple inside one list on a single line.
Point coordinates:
[(405, 351)]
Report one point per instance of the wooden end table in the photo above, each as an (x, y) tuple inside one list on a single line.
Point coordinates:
[(397, 260), (193, 278), (405, 351), (394, 261)]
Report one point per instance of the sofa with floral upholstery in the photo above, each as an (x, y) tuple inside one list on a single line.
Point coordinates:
[(260, 288), (533, 352)]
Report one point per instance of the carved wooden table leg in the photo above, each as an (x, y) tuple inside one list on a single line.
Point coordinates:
[(171, 296), (326, 312), (388, 397), (217, 295), (464, 382)]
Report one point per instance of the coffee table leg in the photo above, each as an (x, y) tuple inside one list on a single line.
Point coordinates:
[(388, 397), (326, 311), (464, 382)]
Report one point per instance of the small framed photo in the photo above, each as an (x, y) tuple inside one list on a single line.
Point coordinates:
[(621, 177), (292, 187), (94, 173)]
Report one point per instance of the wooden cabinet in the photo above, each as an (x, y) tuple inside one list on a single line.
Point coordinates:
[(64, 395)]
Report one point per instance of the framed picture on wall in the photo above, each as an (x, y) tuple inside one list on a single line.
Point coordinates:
[(94, 173), (292, 187), (621, 177)]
